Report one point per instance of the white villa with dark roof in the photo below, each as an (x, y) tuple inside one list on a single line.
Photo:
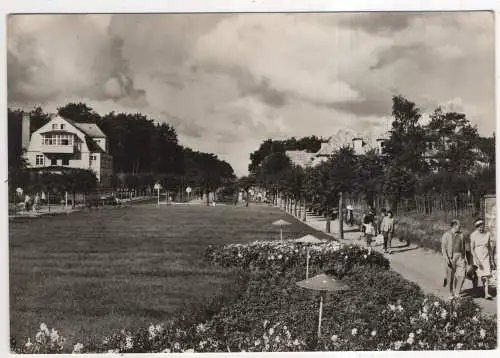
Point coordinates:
[(360, 143), (64, 143)]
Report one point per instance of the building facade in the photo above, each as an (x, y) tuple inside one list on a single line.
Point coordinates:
[(361, 144), (65, 143)]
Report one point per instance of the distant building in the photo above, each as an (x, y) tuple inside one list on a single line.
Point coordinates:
[(361, 144), (65, 143)]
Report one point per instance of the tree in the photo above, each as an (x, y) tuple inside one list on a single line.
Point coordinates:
[(369, 174), (245, 183), (78, 112), (78, 181)]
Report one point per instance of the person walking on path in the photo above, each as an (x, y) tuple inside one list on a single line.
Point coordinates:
[(387, 230), (480, 241), (349, 217), (383, 214), (453, 251), (369, 234), (368, 218)]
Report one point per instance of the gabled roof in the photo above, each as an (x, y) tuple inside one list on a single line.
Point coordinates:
[(90, 129), (92, 145)]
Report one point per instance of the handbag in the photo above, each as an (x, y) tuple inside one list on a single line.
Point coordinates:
[(470, 270)]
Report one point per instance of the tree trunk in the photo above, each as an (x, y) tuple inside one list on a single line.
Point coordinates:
[(208, 197), (295, 207), (304, 215), (327, 221), (73, 203), (341, 216)]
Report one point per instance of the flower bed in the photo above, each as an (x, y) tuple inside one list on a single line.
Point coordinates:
[(381, 311)]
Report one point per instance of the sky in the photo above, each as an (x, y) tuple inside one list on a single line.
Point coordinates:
[(227, 82)]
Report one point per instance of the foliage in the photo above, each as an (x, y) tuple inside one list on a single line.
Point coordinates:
[(310, 144), (139, 146), (381, 311)]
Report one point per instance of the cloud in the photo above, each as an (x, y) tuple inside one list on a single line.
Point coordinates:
[(229, 81)]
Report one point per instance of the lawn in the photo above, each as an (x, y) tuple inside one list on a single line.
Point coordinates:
[(90, 273)]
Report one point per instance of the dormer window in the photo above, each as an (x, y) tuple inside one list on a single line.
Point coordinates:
[(62, 126), (54, 126)]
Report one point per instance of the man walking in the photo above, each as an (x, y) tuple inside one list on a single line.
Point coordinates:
[(453, 251)]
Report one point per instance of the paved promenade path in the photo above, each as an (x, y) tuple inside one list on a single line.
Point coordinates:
[(424, 267)]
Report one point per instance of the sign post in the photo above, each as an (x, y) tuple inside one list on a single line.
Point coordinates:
[(188, 191)]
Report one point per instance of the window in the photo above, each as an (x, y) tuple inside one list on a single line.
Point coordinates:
[(53, 162), (65, 161), (58, 139), (54, 126), (62, 126), (93, 157), (39, 159)]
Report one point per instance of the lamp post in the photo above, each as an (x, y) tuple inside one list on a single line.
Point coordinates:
[(281, 223), (308, 240), (322, 283), (188, 191), (157, 187)]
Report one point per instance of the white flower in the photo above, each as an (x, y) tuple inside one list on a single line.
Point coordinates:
[(39, 337), (166, 350), (399, 308), (240, 255), (202, 344), (346, 257), (201, 328), (419, 331), (177, 346), (374, 333), (28, 344), (444, 314), (392, 307), (44, 328), (257, 342), (77, 348), (397, 345), (334, 338), (152, 331), (425, 310), (277, 339), (128, 342), (461, 332), (296, 342), (272, 257), (189, 351), (354, 331), (411, 335), (460, 345), (266, 322), (280, 257), (424, 316), (482, 333), (364, 256), (436, 304), (474, 319), (410, 340), (271, 331)]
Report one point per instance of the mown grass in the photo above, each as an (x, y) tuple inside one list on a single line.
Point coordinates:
[(90, 273)]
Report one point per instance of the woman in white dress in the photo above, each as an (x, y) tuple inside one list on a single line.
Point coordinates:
[(480, 242)]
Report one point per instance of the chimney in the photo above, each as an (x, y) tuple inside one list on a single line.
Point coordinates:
[(25, 131), (357, 144)]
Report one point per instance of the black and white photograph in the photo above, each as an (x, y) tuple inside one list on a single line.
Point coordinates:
[(226, 182)]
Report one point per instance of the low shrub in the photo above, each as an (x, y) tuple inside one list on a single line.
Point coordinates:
[(380, 311)]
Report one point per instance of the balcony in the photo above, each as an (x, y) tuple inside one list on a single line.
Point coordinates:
[(58, 148)]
